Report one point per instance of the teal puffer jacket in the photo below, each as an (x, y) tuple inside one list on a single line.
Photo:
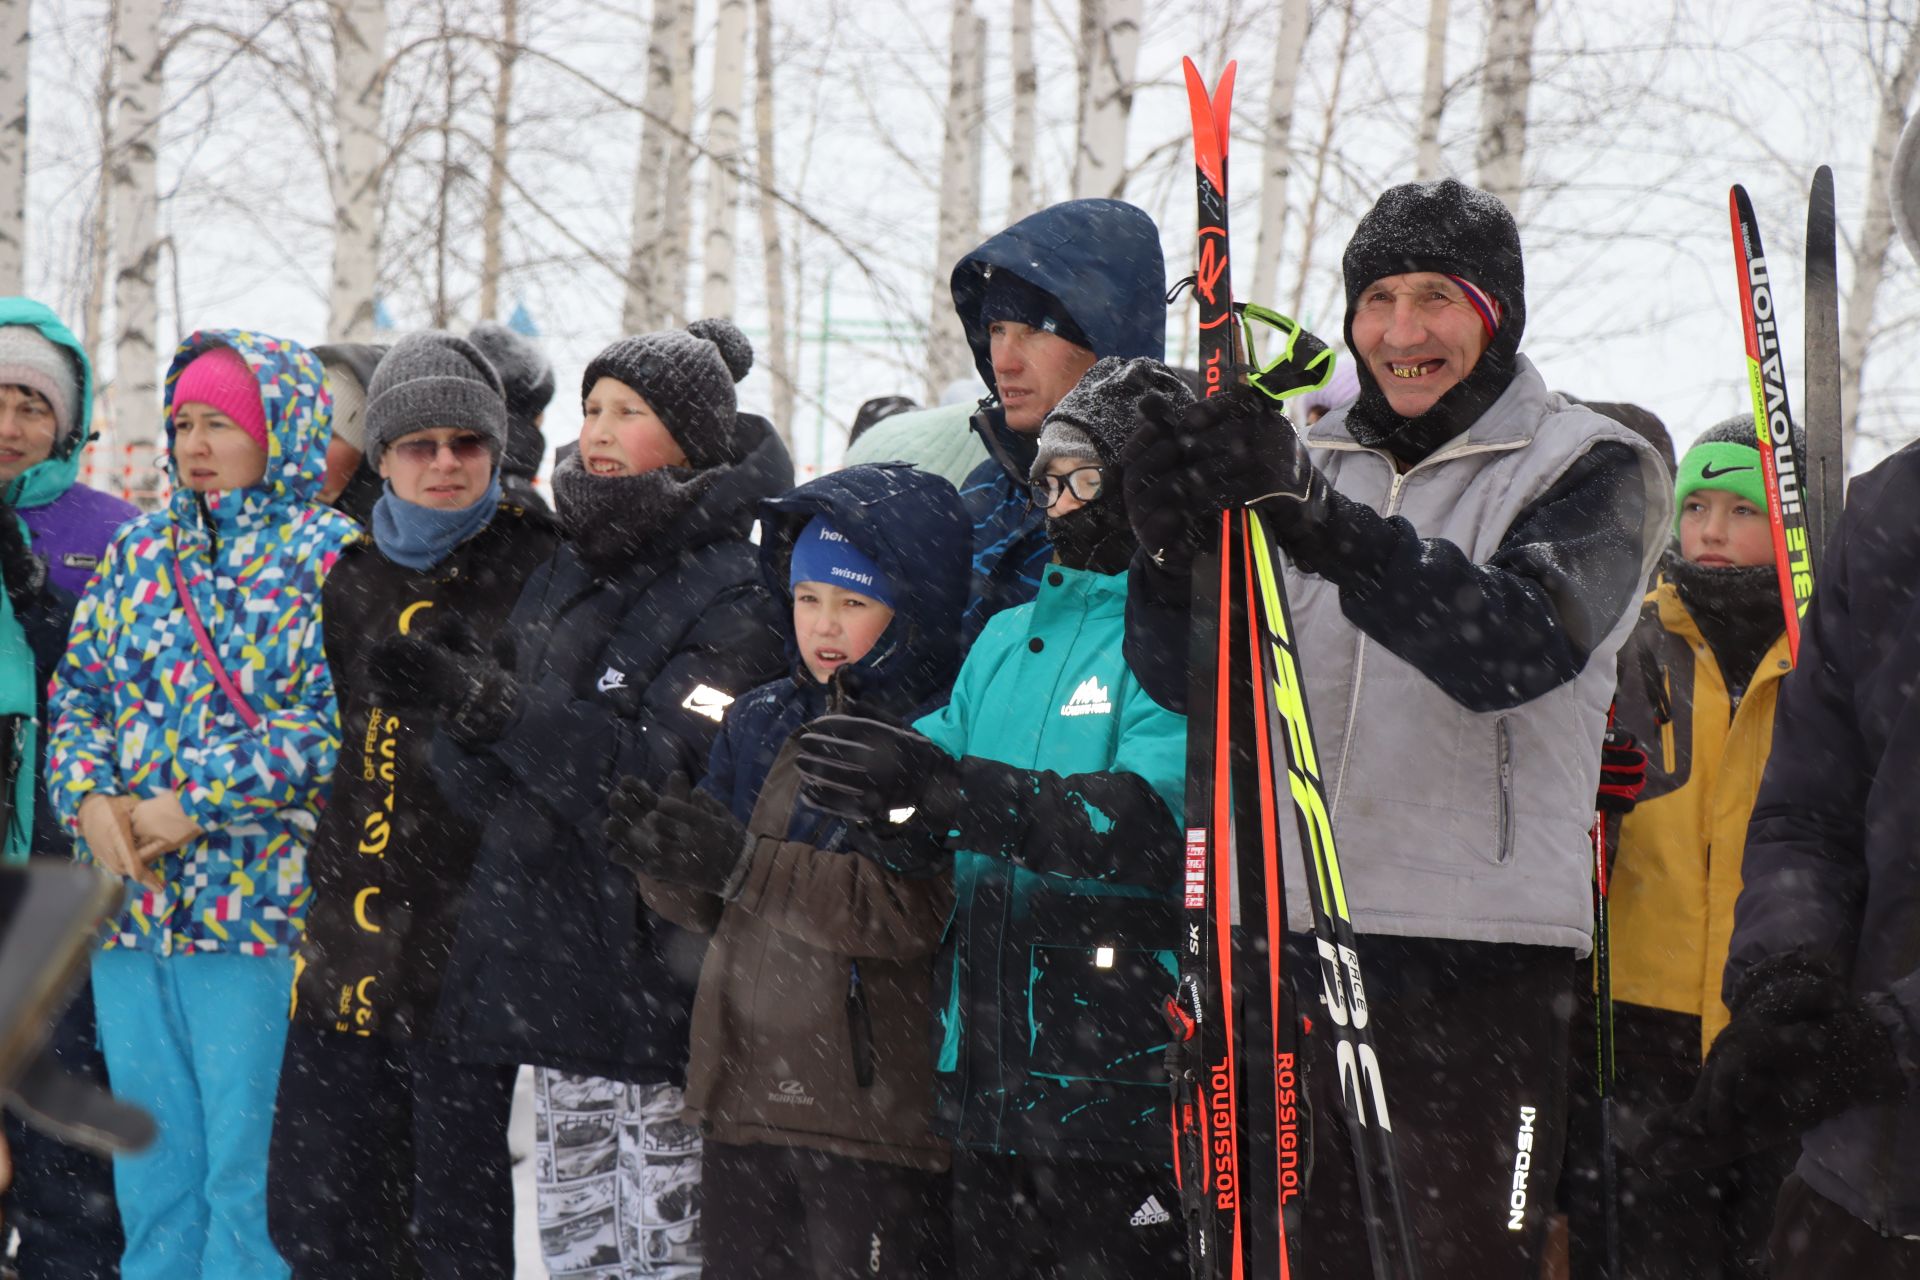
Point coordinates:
[(1061, 948)]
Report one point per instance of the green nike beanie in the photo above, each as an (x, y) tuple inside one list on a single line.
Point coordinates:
[(1726, 456)]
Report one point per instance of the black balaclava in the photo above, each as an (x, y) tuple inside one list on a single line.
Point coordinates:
[(1094, 421), (1455, 230)]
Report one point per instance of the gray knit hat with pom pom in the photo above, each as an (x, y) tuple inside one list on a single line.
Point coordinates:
[(686, 376)]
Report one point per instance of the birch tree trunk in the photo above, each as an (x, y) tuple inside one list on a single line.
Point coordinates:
[(1876, 233), (14, 34), (773, 256), (442, 305), (1311, 232), (1026, 90), (100, 226), (1503, 98), (136, 393), (641, 308), (1276, 151), (723, 156), (360, 80), (1109, 48), (948, 356), (493, 217), (1433, 96), (677, 191)]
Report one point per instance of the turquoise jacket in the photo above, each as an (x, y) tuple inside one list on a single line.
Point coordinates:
[(1061, 949), (135, 706)]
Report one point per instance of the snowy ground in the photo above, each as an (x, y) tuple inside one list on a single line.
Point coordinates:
[(526, 1232)]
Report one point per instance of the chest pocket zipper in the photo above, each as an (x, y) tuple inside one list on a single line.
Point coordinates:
[(859, 1027), (1504, 751)]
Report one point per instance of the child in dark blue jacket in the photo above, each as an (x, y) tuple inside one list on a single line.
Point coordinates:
[(810, 1071)]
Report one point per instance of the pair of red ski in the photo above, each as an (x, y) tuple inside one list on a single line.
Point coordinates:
[(1240, 1105)]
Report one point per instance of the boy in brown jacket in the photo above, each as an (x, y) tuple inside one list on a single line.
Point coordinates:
[(810, 1073)]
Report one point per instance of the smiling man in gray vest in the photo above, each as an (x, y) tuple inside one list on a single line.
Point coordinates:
[(1465, 549)]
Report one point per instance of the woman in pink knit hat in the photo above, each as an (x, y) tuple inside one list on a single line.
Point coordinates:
[(194, 736)]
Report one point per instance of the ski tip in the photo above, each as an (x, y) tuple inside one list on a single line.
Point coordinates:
[(1208, 145), (1223, 102), (1823, 183)]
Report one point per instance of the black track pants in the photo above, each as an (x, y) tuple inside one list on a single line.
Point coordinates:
[(1029, 1218), (389, 1161), (1709, 1224), (791, 1213), (1472, 1041)]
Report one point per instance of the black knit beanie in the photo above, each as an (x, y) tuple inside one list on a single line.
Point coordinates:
[(1096, 418), (687, 376), (1008, 297), (1455, 230), (526, 376)]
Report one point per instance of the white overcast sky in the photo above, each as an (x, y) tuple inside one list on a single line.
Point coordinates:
[(1644, 112)]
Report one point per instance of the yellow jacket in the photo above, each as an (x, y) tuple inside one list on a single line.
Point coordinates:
[(1676, 869)]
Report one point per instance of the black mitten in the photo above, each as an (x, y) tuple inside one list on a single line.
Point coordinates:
[(447, 673), (677, 834), (1800, 1049)]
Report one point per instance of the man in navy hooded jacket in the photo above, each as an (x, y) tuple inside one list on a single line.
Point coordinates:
[(1040, 302)]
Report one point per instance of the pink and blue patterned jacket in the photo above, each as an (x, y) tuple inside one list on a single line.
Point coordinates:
[(135, 706)]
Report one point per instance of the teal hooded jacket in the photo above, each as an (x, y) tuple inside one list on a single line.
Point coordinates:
[(1060, 953)]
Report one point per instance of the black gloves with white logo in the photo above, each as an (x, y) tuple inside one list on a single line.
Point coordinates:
[(870, 771)]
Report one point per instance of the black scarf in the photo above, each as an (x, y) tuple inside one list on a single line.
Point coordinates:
[(1097, 537), (1738, 612), (1374, 423), (610, 520)]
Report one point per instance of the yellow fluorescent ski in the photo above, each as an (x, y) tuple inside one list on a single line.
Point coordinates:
[(1303, 762)]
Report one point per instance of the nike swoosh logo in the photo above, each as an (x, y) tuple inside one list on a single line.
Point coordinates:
[(1708, 473)]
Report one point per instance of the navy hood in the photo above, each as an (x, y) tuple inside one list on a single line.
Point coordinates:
[(1100, 258), (912, 525)]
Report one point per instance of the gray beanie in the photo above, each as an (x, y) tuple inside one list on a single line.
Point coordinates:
[(1095, 419), (686, 376), (30, 359), (434, 379)]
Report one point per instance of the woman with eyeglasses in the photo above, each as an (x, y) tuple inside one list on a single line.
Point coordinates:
[(389, 1157), (629, 643)]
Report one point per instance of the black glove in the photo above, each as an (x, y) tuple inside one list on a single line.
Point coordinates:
[(1801, 1049), (445, 672), (678, 835), (1623, 772), (911, 850), (25, 572), (868, 770), (1183, 466)]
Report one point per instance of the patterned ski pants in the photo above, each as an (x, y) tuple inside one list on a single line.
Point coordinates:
[(618, 1176)]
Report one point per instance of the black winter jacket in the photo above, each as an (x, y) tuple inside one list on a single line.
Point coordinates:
[(390, 859), (628, 674), (1831, 868)]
